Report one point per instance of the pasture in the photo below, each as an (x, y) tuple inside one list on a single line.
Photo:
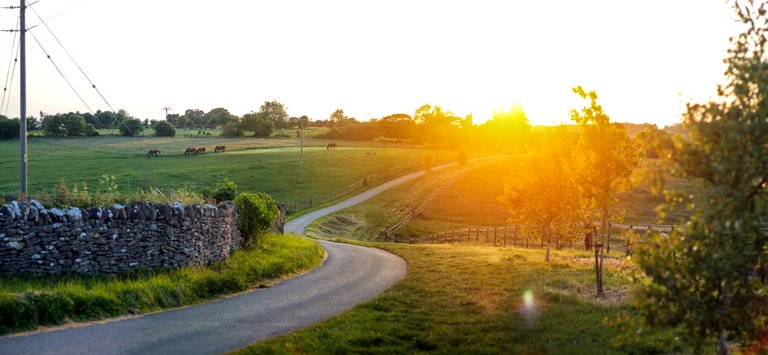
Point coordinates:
[(254, 164), (461, 299)]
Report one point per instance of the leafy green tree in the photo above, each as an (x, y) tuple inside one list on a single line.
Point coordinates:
[(712, 278), (9, 128), (256, 123), (398, 126), (540, 192), (195, 117), (232, 129), (131, 127), (604, 159), (90, 130), (164, 129), (220, 117), (172, 118), (64, 124), (256, 213), (655, 143), (275, 112)]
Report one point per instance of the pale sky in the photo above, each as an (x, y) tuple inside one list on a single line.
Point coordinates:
[(374, 58)]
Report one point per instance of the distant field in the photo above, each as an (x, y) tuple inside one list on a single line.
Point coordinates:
[(268, 165)]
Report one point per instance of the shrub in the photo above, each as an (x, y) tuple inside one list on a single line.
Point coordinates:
[(463, 156), (164, 129), (232, 129), (255, 215), (225, 191), (131, 127), (90, 131)]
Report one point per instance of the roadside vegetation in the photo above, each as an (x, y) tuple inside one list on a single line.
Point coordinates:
[(29, 302), (484, 300)]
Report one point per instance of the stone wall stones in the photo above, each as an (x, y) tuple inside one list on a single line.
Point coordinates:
[(35, 240)]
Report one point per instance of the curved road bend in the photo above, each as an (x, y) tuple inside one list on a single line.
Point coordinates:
[(350, 275)]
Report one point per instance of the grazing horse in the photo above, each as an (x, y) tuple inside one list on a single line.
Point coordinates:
[(220, 148), (200, 150), (153, 153), (330, 146), (190, 151)]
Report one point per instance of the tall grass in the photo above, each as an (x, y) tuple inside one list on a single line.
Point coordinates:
[(29, 302)]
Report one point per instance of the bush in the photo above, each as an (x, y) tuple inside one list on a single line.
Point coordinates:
[(90, 131), (232, 129), (164, 129), (255, 215), (463, 156), (225, 191), (131, 127)]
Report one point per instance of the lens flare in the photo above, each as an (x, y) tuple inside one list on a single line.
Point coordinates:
[(528, 299)]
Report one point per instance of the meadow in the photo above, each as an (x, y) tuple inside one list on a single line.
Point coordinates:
[(463, 299), (254, 164)]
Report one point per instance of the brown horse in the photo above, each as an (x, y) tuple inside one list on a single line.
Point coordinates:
[(200, 150), (331, 146), (190, 151), (220, 148), (153, 153)]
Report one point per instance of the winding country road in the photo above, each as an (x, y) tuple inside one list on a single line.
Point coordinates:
[(349, 275)]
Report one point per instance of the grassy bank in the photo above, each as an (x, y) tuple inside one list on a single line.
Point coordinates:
[(29, 302), (472, 300)]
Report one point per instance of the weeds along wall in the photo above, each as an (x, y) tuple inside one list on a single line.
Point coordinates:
[(35, 240)]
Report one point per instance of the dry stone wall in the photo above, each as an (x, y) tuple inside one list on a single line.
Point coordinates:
[(36, 240)]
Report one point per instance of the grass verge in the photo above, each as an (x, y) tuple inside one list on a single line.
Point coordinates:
[(462, 299), (29, 302)]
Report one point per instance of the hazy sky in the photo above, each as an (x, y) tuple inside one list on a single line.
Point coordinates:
[(373, 58)]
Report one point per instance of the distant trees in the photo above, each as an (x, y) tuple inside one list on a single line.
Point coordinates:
[(655, 143), (9, 128), (506, 129), (711, 279)]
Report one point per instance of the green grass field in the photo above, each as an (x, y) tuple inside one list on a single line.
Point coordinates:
[(267, 165), (459, 299)]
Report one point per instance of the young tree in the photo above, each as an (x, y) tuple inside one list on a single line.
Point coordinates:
[(541, 193), (712, 278), (164, 129), (605, 157), (276, 112), (131, 127)]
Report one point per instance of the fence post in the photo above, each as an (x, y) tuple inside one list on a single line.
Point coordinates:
[(495, 229), (608, 244), (505, 235)]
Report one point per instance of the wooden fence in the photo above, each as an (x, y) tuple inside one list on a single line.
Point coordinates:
[(311, 201), (527, 236), (389, 233)]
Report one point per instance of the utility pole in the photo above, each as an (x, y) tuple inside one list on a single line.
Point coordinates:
[(301, 150), (23, 94), (166, 109)]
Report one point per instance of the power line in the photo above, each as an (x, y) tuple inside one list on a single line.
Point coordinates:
[(61, 73), (9, 73), (70, 56)]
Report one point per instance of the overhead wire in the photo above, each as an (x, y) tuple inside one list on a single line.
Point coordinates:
[(8, 73), (70, 57), (60, 72)]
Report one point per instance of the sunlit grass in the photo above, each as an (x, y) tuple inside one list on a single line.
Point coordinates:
[(462, 299)]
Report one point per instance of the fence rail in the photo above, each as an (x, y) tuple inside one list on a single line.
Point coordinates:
[(389, 233), (523, 235), (311, 201)]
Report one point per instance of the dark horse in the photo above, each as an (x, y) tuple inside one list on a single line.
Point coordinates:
[(200, 150), (220, 148), (153, 153), (331, 146), (190, 151)]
